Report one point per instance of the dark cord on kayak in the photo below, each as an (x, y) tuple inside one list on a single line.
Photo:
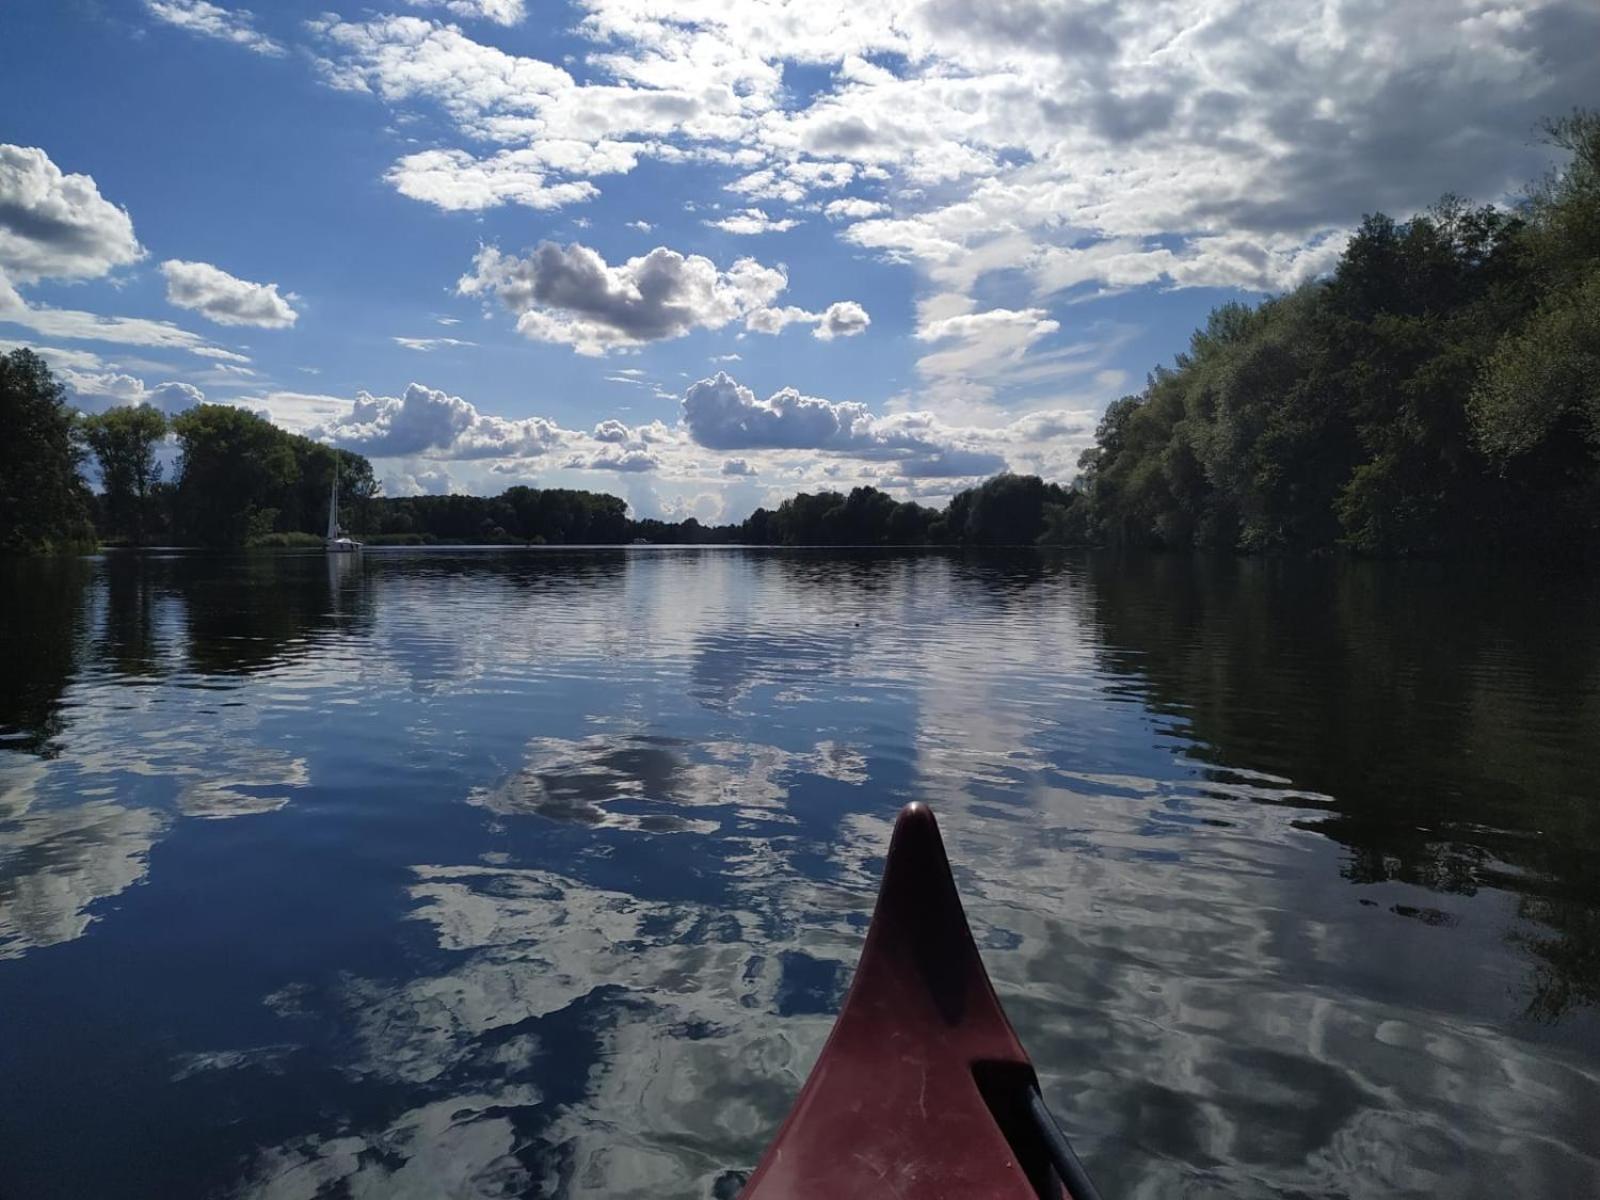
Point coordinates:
[(1061, 1153)]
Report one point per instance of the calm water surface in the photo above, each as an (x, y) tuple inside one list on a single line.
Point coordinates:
[(541, 874)]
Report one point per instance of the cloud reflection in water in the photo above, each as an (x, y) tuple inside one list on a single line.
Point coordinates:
[(55, 862), (639, 782), (585, 860)]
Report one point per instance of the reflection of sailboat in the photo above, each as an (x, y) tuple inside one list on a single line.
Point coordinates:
[(336, 543), (341, 568)]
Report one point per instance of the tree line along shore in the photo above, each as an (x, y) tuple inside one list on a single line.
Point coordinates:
[(1437, 395)]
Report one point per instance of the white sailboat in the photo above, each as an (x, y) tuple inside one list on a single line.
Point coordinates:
[(337, 543)]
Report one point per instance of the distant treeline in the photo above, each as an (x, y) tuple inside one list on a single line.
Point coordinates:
[(1439, 394), (243, 481), (557, 516), (1007, 510)]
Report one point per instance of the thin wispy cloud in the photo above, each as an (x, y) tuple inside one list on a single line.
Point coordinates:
[(236, 25)]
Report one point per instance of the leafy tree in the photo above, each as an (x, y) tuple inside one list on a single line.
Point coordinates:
[(558, 516), (1564, 207), (123, 441), (1066, 524), (1008, 510), (909, 524), (241, 478), (757, 528), (1535, 410), (305, 506), (234, 471), (44, 504), (1544, 379), (801, 520), (1437, 394)]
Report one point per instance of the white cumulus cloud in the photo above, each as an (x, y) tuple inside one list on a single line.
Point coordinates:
[(426, 421), (418, 480), (457, 181), (571, 296), (853, 208), (224, 298), (96, 391), (751, 221), (58, 357), (57, 226), (721, 414), (624, 461), (1021, 155), (843, 318)]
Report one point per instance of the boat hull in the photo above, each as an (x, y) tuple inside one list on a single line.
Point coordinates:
[(922, 1088)]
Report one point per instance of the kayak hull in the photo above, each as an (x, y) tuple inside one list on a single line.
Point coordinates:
[(922, 1088)]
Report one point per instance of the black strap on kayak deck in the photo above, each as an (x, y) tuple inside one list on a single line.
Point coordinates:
[(1061, 1153)]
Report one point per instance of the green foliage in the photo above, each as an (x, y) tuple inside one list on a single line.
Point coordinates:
[(44, 504), (1439, 394), (1008, 510), (286, 541), (1564, 206), (558, 516), (400, 539), (1542, 384), (241, 479), (358, 489), (865, 517), (1543, 381), (1066, 524), (234, 464), (123, 441)]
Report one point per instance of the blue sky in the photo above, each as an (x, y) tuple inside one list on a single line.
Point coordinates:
[(490, 242)]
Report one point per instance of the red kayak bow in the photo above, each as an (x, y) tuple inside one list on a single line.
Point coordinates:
[(922, 1089)]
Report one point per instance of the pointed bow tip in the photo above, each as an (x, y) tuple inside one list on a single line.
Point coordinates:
[(916, 843)]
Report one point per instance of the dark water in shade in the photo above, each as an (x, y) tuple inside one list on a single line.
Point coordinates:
[(541, 874)]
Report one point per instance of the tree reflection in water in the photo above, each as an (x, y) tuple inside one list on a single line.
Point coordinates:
[(1438, 709)]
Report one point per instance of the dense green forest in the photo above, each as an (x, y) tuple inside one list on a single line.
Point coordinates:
[(1438, 394)]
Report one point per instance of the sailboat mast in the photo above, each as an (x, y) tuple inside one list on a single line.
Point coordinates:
[(333, 503)]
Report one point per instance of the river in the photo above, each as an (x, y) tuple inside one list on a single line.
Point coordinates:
[(542, 873)]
